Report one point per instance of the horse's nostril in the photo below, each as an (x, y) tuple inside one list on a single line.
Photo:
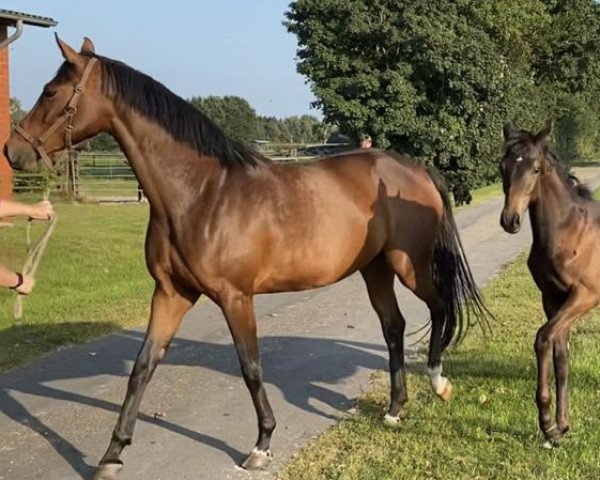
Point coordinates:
[(516, 222)]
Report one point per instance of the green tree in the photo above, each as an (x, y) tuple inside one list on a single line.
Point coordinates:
[(273, 130), (568, 65), (103, 142), (233, 114), (437, 79), (304, 129), (297, 129), (16, 112)]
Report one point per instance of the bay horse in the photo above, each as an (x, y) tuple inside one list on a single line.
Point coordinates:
[(564, 260), (227, 223)]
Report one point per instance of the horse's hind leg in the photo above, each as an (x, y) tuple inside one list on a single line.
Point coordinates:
[(379, 278), (420, 281), (165, 317), (440, 384), (239, 312)]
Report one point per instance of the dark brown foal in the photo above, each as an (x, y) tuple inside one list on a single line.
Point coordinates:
[(227, 223), (564, 259)]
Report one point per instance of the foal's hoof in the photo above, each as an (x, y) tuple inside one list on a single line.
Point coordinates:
[(446, 393), (394, 421), (554, 436), (108, 471), (258, 459)]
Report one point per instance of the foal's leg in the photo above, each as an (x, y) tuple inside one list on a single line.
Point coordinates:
[(555, 332), (166, 314), (239, 312), (379, 278), (561, 365), (561, 374)]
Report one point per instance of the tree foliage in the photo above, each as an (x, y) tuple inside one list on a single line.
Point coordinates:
[(103, 142), (438, 79), (239, 121), (295, 129), (233, 114), (16, 112)]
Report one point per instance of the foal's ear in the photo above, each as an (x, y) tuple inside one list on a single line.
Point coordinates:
[(87, 46), (507, 129), (544, 132), (68, 53)]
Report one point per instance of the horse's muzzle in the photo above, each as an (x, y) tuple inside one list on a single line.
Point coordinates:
[(20, 157), (511, 223)]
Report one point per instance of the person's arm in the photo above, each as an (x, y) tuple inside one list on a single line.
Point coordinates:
[(39, 211), (21, 283)]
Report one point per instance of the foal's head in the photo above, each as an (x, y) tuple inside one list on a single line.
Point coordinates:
[(525, 157), (57, 117)]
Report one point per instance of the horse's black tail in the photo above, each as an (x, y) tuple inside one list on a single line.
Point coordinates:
[(453, 278)]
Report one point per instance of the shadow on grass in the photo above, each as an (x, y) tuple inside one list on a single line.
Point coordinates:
[(19, 343), (488, 368)]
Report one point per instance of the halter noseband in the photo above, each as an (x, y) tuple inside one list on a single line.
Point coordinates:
[(68, 116)]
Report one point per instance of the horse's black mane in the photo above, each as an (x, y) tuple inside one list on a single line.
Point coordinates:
[(156, 102), (519, 144)]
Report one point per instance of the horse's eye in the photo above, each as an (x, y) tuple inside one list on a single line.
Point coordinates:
[(48, 93), (536, 170)]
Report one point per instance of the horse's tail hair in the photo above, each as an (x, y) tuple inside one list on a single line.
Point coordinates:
[(453, 278)]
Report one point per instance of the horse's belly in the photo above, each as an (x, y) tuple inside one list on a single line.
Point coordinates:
[(302, 266)]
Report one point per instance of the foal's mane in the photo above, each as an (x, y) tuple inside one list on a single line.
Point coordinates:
[(519, 144), (185, 123)]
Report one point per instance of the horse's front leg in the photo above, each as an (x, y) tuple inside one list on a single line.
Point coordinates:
[(561, 376), (239, 312), (552, 338), (168, 308)]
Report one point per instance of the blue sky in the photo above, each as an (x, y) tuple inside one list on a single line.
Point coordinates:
[(224, 47)]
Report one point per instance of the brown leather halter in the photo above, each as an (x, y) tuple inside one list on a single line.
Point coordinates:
[(67, 117)]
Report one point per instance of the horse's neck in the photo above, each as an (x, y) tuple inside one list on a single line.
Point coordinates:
[(552, 205), (170, 173)]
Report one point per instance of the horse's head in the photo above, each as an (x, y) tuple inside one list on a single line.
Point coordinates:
[(525, 156), (70, 109)]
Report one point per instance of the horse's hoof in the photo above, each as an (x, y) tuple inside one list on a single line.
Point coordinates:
[(548, 445), (554, 436), (394, 421), (258, 459), (108, 471), (446, 393), (391, 421)]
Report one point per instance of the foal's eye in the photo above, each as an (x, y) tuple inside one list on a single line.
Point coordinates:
[(48, 93), (536, 170)]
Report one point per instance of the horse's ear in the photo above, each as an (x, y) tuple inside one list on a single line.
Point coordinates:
[(87, 46), (68, 53), (507, 129), (544, 132)]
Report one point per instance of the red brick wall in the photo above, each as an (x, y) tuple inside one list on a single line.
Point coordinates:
[(5, 170)]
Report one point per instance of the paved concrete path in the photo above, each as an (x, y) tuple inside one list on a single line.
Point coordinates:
[(319, 348)]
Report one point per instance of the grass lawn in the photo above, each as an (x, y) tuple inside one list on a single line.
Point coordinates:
[(91, 280), (482, 194), (488, 430), (114, 187)]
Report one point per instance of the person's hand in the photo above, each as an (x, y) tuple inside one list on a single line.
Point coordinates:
[(27, 285), (41, 211)]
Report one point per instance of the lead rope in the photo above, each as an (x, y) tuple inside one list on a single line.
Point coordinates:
[(34, 255)]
